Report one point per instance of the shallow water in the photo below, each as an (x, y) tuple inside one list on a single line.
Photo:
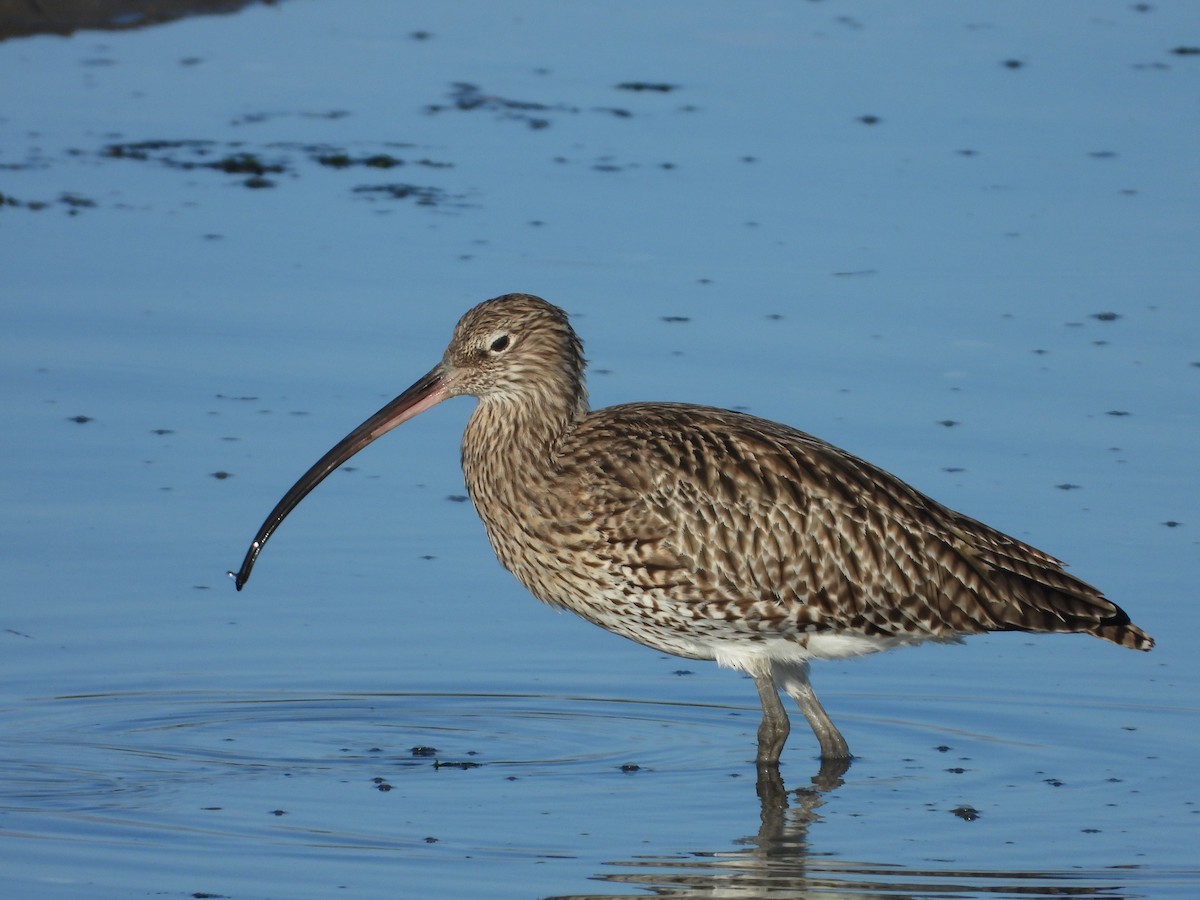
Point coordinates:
[(1009, 247), (297, 795)]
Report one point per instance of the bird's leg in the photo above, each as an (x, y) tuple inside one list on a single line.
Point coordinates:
[(772, 735), (773, 732), (798, 687)]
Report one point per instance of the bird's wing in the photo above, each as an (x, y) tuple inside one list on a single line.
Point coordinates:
[(765, 528)]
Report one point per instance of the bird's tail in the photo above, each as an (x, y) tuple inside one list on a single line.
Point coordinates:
[(1126, 634)]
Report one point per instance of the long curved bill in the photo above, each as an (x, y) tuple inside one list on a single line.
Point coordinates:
[(427, 392)]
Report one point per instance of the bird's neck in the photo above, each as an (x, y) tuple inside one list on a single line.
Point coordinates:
[(514, 440), (512, 462)]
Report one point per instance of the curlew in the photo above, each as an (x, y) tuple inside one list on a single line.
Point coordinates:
[(711, 534)]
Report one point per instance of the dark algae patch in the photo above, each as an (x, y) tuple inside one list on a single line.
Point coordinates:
[(272, 165), (73, 202), (653, 86), (343, 160), (423, 196), (468, 97), (263, 165)]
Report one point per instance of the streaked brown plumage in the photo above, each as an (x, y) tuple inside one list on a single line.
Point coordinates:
[(712, 534)]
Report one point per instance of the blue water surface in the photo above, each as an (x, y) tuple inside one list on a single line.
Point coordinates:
[(957, 239)]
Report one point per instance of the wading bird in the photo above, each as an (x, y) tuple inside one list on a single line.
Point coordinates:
[(712, 534)]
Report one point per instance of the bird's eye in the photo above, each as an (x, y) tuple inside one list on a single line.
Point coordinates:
[(500, 344)]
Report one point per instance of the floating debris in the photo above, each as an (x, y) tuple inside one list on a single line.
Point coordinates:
[(343, 160), (423, 195), (654, 86), (257, 163), (76, 201), (469, 97)]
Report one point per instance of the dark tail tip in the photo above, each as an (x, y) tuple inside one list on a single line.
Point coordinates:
[(1126, 635)]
